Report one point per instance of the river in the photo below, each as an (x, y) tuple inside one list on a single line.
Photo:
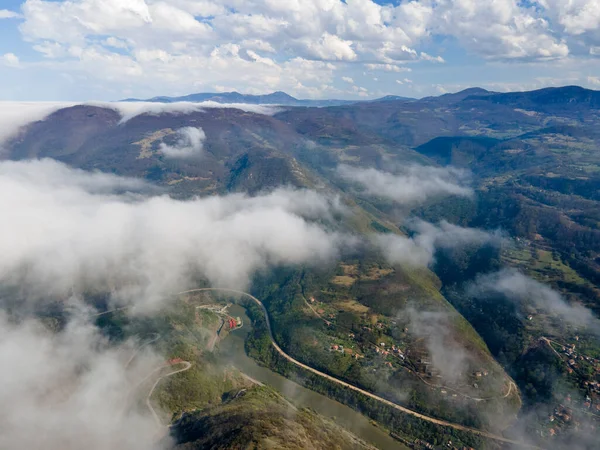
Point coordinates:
[(232, 349)]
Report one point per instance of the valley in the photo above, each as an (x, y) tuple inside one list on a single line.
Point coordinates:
[(455, 259), (300, 225)]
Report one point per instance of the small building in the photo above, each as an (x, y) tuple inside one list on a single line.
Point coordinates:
[(174, 361)]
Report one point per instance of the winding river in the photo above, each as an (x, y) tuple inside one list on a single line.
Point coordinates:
[(231, 350)]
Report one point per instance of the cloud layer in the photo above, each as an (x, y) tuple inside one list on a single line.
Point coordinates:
[(448, 356), (70, 390), (412, 185), (419, 250), (65, 231), (14, 115), (523, 289), (129, 110)]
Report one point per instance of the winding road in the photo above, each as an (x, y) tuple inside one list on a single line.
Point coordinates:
[(403, 409), (188, 366)]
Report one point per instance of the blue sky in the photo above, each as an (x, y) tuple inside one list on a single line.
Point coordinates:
[(110, 49)]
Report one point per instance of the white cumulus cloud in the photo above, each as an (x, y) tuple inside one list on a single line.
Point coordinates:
[(7, 14), (10, 60), (229, 38)]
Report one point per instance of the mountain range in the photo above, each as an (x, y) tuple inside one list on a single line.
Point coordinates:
[(275, 98), (532, 165), (558, 96)]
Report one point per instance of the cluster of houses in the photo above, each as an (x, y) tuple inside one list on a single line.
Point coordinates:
[(569, 350), (562, 414), (381, 349), (394, 350), (574, 359), (341, 349)]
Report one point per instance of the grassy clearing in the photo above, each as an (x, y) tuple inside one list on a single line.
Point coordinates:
[(146, 143), (343, 280), (376, 273), (353, 306), (543, 265)]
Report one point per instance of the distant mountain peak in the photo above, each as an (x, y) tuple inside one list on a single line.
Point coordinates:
[(393, 98), (550, 97), (281, 93), (474, 91)]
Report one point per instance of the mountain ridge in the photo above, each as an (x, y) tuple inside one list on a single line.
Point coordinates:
[(278, 98), (545, 97), (274, 98)]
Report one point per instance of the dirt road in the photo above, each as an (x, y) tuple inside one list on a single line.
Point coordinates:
[(188, 366)]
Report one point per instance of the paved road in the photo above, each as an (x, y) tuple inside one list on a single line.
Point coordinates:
[(403, 409)]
